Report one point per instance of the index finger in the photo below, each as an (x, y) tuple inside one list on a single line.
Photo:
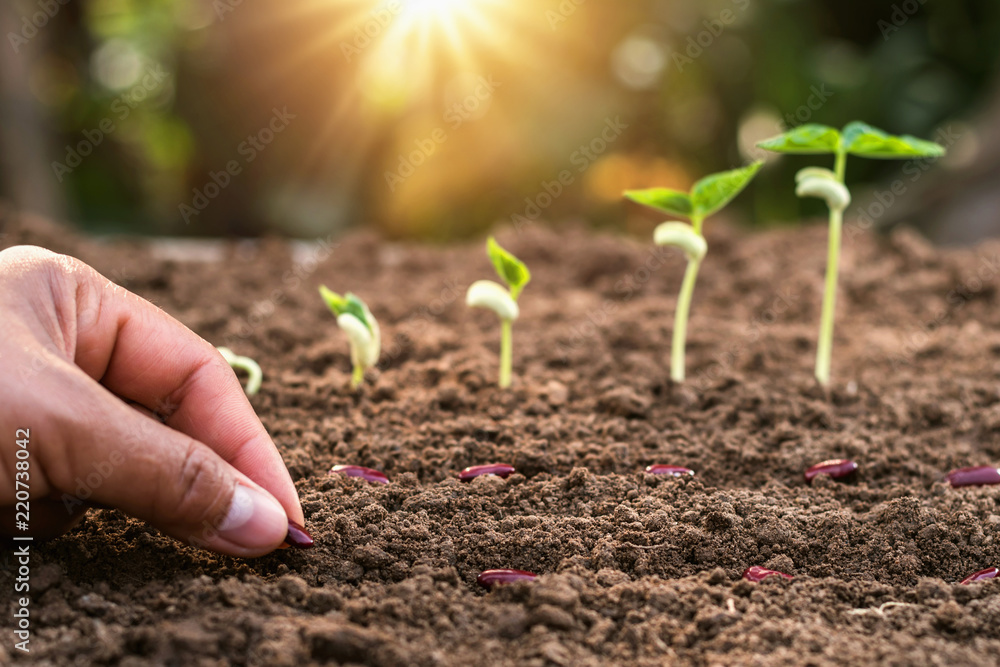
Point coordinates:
[(141, 353)]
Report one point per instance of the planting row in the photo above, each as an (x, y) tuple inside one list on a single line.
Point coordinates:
[(706, 197), (834, 468)]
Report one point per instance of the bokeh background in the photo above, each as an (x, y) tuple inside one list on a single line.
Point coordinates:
[(439, 119)]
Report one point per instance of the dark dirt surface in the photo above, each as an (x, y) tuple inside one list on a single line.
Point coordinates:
[(636, 569)]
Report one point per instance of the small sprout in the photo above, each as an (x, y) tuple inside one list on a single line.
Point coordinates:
[(708, 196), (361, 327), (501, 300), (251, 367), (855, 139)]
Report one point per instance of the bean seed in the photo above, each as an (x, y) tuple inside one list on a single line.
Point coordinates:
[(498, 469), (373, 476), (835, 468), (976, 476), (982, 575), (298, 537), (664, 469), (757, 573), (490, 578)]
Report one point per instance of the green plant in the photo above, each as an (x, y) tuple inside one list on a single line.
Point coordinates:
[(254, 375), (361, 327), (501, 300), (859, 139), (707, 196)]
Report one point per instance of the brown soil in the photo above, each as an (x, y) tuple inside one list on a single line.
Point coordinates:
[(636, 569)]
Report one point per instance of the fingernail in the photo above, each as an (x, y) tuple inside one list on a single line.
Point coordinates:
[(298, 536), (255, 521)]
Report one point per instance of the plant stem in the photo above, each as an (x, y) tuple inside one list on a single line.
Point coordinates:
[(358, 376), (681, 319), (824, 349), (506, 352)]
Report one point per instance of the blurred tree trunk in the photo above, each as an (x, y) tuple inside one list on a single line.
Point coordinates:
[(25, 176)]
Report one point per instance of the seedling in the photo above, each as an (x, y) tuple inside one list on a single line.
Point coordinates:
[(855, 139), (501, 300), (708, 196), (357, 321), (251, 367)]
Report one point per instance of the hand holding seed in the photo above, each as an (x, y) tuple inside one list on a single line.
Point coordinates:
[(74, 348)]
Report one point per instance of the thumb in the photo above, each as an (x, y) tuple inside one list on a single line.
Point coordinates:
[(113, 455)]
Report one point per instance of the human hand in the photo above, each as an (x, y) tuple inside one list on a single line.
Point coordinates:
[(73, 348)]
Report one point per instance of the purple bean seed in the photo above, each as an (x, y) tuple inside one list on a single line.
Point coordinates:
[(665, 469), (298, 537), (758, 573), (976, 476), (498, 469), (982, 575), (835, 468), (490, 578), (373, 476)]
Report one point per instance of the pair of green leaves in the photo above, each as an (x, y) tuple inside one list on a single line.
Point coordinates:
[(349, 304), (856, 138), (510, 269), (707, 196)]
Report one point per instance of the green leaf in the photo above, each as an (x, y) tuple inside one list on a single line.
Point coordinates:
[(809, 138), (336, 303), (510, 269), (713, 192), (867, 141), (349, 304), (669, 201)]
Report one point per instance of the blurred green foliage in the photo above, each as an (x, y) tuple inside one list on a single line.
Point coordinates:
[(694, 81)]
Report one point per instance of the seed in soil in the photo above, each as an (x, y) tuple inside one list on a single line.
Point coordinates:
[(757, 573), (835, 468), (856, 138), (501, 300), (498, 469), (706, 197), (490, 578), (373, 476), (298, 537), (982, 575), (975, 476), (664, 469)]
